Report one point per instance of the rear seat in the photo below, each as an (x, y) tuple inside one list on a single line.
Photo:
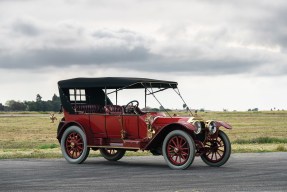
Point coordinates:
[(114, 109), (89, 108)]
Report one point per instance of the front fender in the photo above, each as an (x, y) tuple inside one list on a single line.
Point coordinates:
[(159, 136), (223, 124)]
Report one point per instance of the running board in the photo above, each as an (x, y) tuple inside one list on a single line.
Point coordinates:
[(127, 144), (114, 147)]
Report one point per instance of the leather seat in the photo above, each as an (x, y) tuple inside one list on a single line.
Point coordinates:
[(114, 109)]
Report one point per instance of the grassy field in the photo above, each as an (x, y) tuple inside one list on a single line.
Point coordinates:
[(34, 136)]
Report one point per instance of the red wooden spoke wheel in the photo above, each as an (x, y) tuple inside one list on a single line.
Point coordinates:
[(74, 145), (218, 150), (178, 149), (112, 154)]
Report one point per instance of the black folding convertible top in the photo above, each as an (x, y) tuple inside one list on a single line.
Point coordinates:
[(116, 83)]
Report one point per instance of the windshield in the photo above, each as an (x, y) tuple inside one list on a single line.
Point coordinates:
[(150, 99)]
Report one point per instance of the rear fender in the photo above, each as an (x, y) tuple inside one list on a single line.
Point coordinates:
[(64, 125), (158, 138)]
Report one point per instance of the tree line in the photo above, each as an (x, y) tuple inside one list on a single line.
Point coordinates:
[(38, 105)]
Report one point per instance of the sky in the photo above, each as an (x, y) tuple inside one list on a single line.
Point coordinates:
[(224, 54)]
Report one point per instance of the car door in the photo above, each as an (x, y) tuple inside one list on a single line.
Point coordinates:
[(114, 126), (97, 122), (131, 126)]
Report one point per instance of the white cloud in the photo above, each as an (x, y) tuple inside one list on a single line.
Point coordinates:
[(210, 40)]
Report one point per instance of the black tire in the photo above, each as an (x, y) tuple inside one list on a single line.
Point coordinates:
[(74, 145), (219, 152), (112, 154), (178, 150)]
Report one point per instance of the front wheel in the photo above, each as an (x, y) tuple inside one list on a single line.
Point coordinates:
[(74, 145), (178, 149), (112, 154), (218, 150)]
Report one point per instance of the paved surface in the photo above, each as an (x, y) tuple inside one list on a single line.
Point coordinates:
[(243, 172)]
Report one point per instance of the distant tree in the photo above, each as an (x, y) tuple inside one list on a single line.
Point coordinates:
[(16, 105), (146, 108), (38, 98), (55, 98), (31, 105), (255, 109), (56, 103), (38, 105), (154, 109), (161, 108), (2, 107)]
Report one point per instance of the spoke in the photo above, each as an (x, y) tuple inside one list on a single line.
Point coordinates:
[(170, 148), (212, 155), (176, 158), (73, 152), (180, 160), (219, 154), (70, 151), (181, 140), (215, 156), (184, 153), (182, 157), (221, 150), (184, 143), (172, 156), (177, 142), (173, 142), (76, 151)]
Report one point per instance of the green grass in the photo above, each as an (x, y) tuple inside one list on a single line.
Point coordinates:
[(49, 146), (261, 140), (31, 136)]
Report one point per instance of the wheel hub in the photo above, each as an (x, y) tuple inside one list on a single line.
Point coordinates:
[(176, 150), (214, 147), (73, 145)]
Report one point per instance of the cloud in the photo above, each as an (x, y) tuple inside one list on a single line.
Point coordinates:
[(25, 28), (230, 42), (66, 57)]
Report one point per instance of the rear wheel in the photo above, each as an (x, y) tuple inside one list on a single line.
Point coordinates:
[(74, 145), (178, 149), (112, 154), (218, 150)]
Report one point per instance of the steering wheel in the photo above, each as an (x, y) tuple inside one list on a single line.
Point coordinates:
[(131, 106)]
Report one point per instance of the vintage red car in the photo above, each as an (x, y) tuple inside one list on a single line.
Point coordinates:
[(92, 121)]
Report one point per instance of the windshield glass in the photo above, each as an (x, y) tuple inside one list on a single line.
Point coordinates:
[(168, 98)]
